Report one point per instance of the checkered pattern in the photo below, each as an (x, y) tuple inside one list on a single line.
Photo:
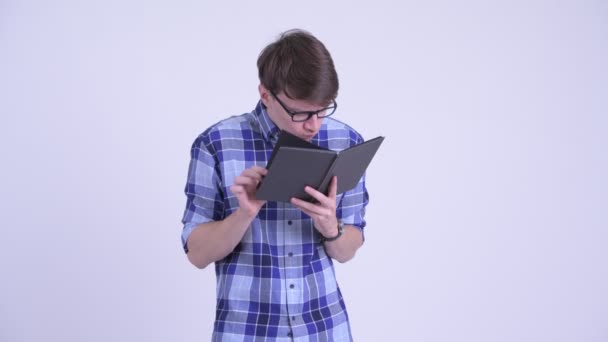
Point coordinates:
[(278, 283)]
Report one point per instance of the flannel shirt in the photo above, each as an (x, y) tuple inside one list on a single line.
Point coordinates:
[(278, 284)]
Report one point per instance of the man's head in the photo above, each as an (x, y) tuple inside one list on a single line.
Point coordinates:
[(297, 74)]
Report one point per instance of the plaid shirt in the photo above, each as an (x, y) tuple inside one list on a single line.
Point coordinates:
[(278, 284)]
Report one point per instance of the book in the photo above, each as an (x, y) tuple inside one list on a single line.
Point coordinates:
[(296, 163)]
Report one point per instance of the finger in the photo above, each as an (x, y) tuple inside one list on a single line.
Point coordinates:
[(309, 208), (246, 181), (252, 174), (237, 190), (258, 170), (297, 203), (333, 188), (241, 193), (319, 196)]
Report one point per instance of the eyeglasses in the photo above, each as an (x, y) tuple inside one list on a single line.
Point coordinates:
[(305, 115)]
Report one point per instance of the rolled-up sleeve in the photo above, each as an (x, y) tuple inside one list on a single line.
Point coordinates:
[(352, 203), (203, 191), (351, 209)]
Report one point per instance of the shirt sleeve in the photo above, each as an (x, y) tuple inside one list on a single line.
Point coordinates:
[(351, 207), (203, 191)]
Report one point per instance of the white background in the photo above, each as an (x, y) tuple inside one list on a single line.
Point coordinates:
[(488, 218)]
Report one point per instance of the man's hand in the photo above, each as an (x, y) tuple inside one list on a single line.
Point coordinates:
[(323, 213), (244, 188)]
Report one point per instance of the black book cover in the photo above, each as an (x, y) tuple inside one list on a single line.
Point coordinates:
[(295, 163)]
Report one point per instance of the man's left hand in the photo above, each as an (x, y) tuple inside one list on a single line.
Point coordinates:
[(323, 213)]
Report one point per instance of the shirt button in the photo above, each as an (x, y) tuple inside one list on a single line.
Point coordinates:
[(290, 254), (292, 286), (293, 318), (289, 222), (290, 334)]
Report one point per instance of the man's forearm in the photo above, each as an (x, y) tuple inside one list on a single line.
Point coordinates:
[(344, 248), (213, 241)]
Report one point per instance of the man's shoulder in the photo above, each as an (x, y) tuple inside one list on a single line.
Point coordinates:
[(231, 127), (235, 123), (337, 129)]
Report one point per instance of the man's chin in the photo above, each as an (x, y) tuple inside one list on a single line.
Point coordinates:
[(306, 137), (303, 136)]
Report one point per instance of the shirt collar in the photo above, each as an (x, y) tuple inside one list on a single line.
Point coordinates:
[(270, 131)]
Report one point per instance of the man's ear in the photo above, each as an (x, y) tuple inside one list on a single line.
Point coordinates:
[(264, 94)]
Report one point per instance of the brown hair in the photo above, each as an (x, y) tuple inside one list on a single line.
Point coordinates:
[(299, 65)]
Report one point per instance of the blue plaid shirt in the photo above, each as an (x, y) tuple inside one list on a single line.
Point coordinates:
[(278, 284)]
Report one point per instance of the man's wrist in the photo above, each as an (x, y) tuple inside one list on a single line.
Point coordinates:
[(244, 214), (333, 238)]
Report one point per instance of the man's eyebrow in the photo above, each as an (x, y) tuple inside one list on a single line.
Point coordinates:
[(301, 111), (296, 110), (304, 111)]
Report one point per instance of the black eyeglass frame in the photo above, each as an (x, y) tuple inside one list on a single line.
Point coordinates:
[(331, 109)]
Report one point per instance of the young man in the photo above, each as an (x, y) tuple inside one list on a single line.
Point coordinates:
[(273, 260)]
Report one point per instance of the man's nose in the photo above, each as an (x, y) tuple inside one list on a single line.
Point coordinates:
[(313, 123)]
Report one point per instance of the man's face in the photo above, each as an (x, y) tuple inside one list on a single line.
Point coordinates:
[(304, 130)]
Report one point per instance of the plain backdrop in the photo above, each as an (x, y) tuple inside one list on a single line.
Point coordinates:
[(488, 218)]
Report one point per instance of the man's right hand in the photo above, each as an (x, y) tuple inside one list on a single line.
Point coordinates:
[(244, 189)]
